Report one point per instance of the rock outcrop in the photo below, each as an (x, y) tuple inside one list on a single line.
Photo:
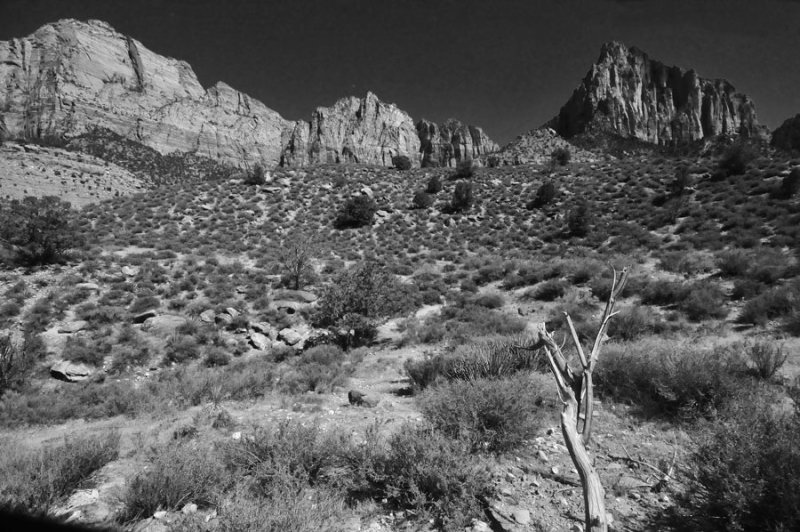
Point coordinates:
[(537, 147), (70, 78), (628, 94), (451, 142), (353, 130), (787, 135)]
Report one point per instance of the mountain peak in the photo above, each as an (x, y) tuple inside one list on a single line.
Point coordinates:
[(628, 94)]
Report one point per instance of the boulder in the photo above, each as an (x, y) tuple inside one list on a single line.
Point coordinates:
[(232, 312), (94, 287), (129, 271), (223, 319), (301, 296), (260, 341), (208, 316), (70, 371), (289, 307), (73, 326), (357, 398), (164, 324), (144, 316), (265, 328), (290, 336)]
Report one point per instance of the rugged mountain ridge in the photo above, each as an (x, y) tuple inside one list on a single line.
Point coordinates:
[(628, 94), (451, 142), (70, 76)]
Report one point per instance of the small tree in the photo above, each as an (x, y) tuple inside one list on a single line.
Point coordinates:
[(422, 200), (434, 185), (256, 176), (465, 169), (545, 195), (579, 219), (358, 211), (401, 162), (295, 260), (736, 158), (561, 156), (462, 197), (16, 362), (682, 181), (791, 184), (39, 230), (576, 392)]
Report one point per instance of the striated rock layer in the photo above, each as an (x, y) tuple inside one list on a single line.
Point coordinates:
[(628, 94), (70, 77), (451, 142)]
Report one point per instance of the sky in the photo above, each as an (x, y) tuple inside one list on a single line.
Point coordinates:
[(504, 65)]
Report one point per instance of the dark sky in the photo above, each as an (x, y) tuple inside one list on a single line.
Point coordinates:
[(501, 64)]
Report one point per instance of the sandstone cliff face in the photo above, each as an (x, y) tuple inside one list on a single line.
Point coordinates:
[(628, 94), (71, 76), (451, 142), (353, 130)]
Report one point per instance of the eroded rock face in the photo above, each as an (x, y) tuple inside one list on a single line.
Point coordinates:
[(449, 143), (353, 130), (628, 94), (70, 76)]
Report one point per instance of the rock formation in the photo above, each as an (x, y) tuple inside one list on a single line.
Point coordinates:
[(537, 147), (71, 77), (353, 130), (787, 136), (451, 142), (628, 94)]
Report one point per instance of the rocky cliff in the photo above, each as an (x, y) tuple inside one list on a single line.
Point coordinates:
[(787, 135), (451, 142), (628, 94), (353, 130), (70, 77)]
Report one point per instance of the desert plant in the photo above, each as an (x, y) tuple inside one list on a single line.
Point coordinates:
[(579, 219), (256, 176), (295, 256), (434, 185), (462, 197), (465, 169), (16, 362), (545, 195), (358, 211), (401, 162), (39, 230), (422, 200), (790, 185), (561, 156), (767, 358), (736, 158)]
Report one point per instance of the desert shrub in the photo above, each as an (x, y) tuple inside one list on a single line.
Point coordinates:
[(401, 162), (181, 348), (319, 369), (706, 300), (736, 158), (493, 415), (86, 350), (215, 357), (39, 230), (465, 169), (681, 182), (256, 176), (489, 300), (484, 359), (545, 195), (549, 290), (17, 361), (746, 472), (295, 260), (358, 211), (561, 156), (671, 380), (747, 289), (462, 197), (664, 292), (734, 263), (687, 263), (422, 200), (773, 303), (434, 185), (579, 219), (178, 475), (634, 322), (33, 482), (767, 358), (461, 323), (790, 185), (126, 357)]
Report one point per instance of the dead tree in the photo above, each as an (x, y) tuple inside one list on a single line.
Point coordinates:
[(576, 392)]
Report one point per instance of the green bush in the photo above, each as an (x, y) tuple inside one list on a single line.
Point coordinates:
[(358, 211), (634, 322), (767, 358), (143, 303), (561, 156), (549, 290), (462, 197), (256, 176), (178, 475), (675, 381), (664, 292), (790, 185), (706, 300), (545, 195), (34, 482), (774, 303), (491, 300), (401, 162), (492, 415), (422, 200), (39, 230), (181, 348), (319, 369), (736, 158), (579, 219), (85, 350), (434, 185), (746, 472)]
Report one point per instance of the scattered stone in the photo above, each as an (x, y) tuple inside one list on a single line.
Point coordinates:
[(522, 516), (289, 307), (232, 312), (189, 508), (70, 371), (366, 191), (129, 271), (236, 436), (144, 316), (627, 482), (480, 526), (88, 286), (357, 398), (164, 324), (208, 316), (576, 528), (223, 319), (555, 470), (160, 514), (542, 456), (73, 327), (259, 341), (265, 328)]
